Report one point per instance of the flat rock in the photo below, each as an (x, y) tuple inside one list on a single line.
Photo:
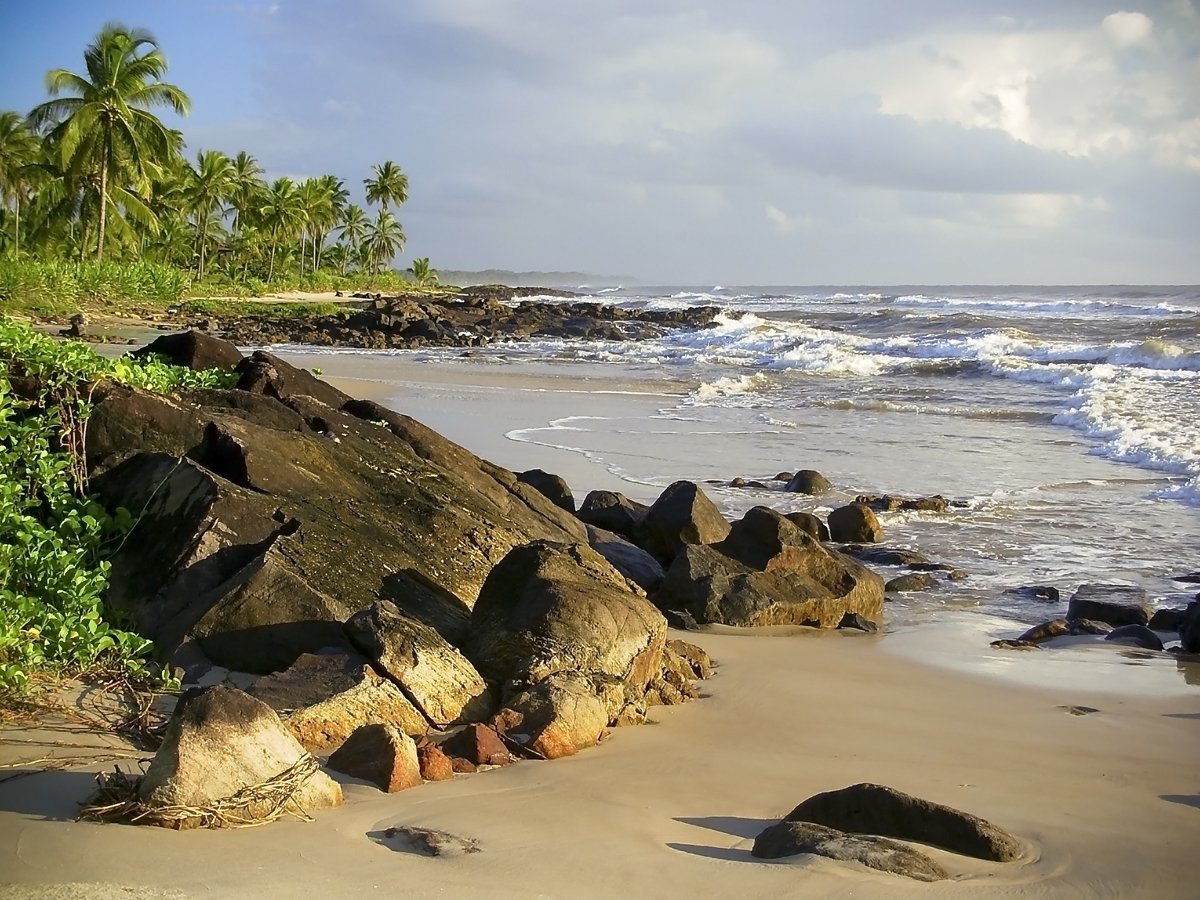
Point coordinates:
[(324, 698), (1045, 631), (785, 839), (876, 809), (913, 581), (426, 841)]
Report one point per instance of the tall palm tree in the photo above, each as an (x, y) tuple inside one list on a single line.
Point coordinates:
[(209, 187), (324, 199), (248, 187), (385, 238), (282, 214), (353, 231), (389, 185), (19, 154), (107, 130)]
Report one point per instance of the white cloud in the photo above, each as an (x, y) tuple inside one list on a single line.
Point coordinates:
[(781, 220), (1126, 29)]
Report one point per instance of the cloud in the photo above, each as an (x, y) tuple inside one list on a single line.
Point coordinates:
[(1126, 29)]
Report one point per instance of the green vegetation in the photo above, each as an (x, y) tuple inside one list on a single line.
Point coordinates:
[(55, 542), (101, 208)]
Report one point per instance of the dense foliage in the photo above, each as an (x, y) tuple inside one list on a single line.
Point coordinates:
[(55, 542), (93, 175)]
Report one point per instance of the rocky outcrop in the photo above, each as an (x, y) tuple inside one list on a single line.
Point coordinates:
[(854, 524), (552, 609), (877, 809), (380, 754), (792, 838), (219, 742), (325, 698), (769, 572), (613, 512), (1116, 604), (681, 515)]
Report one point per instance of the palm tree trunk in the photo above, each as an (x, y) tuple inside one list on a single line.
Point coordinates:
[(271, 268), (17, 232), (103, 208)]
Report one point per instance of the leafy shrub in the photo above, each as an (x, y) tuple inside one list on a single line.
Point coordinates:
[(54, 541)]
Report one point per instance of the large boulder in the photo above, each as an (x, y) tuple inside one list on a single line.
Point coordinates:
[(324, 698), (769, 572), (193, 350), (629, 559), (221, 741), (434, 675), (877, 809), (681, 515), (553, 718), (553, 487), (793, 838), (854, 523), (1189, 630), (613, 512), (808, 481), (561, 609), (381, 754), (1116, 604)]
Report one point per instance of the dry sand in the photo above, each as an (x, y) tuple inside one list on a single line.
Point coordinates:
[(1107, 803)]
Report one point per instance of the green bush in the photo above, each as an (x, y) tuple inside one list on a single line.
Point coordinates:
[(55, 542)]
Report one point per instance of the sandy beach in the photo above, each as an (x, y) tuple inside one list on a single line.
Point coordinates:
[(1106, 802)]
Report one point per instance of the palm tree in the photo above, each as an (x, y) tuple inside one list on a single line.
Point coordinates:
[(385, 238), (210, 186), (422, 273), (106, 130), (19, 153), (248, 187), (324, 199), (353, 231), (282, 213), (389, 185)]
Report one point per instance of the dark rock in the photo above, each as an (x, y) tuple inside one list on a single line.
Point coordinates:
[(1007, 644), (681, 515), (784, 476), (1138, 635), (1039, 593), (878, 809), (324, 698), (613, 512), (858, 623), (478, 745), (263, 373), (809, 524), (1116, 604), (914, 581), (1087, 626), (434, 675), (1190, 577), (1167, 619), (854, 524), (220, 741), (769, 572), (561, 609), (890, 503), (793, 838), (1045, 631), (629, 559), (193, 350), (553, 487), (426, 841), (887, 556), (809, 481), (380, 754), (1189, 630)]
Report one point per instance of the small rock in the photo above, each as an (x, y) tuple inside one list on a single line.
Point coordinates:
[(1045, 631), (1039, 593), (809, 524), (1138, 635), (808, 481), (427, 841), (479, 745), (1007, 644), (913, 581), (381, 754), (858, 623), (435, 765), (854, 524), (1080, 710), (1087, 626)]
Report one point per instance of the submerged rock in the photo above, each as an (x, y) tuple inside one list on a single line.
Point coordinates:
[(808, 481)]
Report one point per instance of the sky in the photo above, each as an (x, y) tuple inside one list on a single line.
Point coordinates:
[(707, 142)]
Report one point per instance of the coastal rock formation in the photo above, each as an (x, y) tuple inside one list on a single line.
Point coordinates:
[(472, 318), (1116, 604), (792, 838), (219, 742), (380, 754), (613, 512), (769, 572), (681, 515), (553, 609), (553, 487), (809, 524), (878, 809), (854, 524), (324, 698), (891, 503)]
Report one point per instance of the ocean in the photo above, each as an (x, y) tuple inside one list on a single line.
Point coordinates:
[(1063, 422)]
